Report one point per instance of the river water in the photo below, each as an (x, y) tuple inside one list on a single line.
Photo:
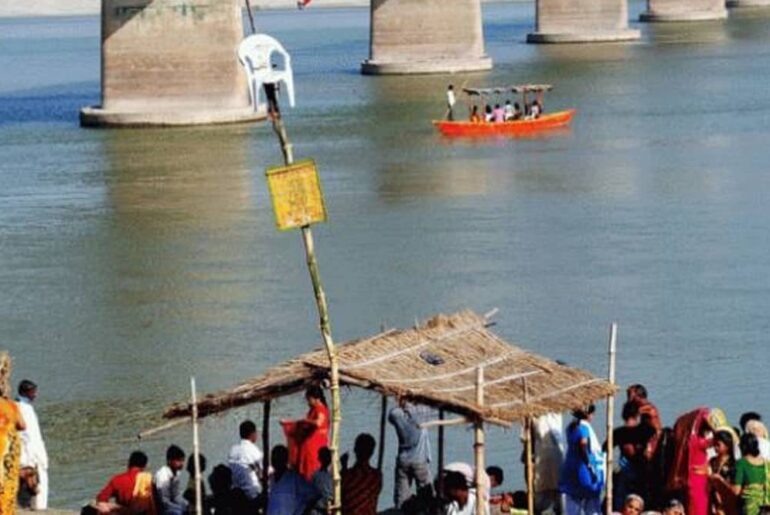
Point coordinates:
[(134, 259)]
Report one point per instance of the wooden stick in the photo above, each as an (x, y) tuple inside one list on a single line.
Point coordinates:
[(479, 446), (163, 427), (529, 466), (196, 450), (251, 17), (443, 423), (383, 420), (440, 454), (266, 448), (611, 416)]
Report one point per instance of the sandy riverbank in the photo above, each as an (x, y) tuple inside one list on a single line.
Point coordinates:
[(35, 8)]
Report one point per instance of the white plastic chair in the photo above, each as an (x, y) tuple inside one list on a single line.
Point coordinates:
[(255, 53)]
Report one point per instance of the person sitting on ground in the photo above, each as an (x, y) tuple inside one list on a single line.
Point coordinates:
[(129, 492), (322, 482), (633, 504), (168, 483), (361, 484), (509, 111), (499, 114), (462, 499), (289, 493), (189, 492), (245, 461), (475, 116), (488, 114)]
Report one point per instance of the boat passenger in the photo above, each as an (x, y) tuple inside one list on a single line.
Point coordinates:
[(129, 492), (245, 461), (322, 481), (190, 492), (517, 113), (462, 498), (413, 458), (289, 493), (450, 102), (751, 475), (509, 111), (168, 483), (534, 110), (582, 476), (499, 114), (488, 115), (361, 484), (475, 116)]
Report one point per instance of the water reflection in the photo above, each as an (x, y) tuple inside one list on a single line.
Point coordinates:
[(686, 33)]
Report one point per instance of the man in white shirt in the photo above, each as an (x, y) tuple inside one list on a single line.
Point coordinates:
[(462, 499), (245, 461), (168, 483), (33, 451)]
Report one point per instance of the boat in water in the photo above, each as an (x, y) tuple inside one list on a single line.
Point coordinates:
[(532, 120)]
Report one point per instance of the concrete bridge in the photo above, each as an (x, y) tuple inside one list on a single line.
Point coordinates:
[(173, 62)]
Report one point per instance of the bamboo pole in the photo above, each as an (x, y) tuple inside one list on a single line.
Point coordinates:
[(251, 17), (440, 475), (196, 450), (325, 326), (611, 416), (529, 466), (383, 420), (266, 448), (479, 445)]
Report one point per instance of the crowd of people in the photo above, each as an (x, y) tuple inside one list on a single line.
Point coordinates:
[(497, 114)]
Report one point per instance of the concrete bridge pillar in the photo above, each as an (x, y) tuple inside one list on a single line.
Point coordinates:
[(748, 3), (425, 36), (171, 62), (581, 21), (684, 10)]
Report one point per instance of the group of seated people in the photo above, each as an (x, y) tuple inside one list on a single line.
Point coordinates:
[(508, 112)]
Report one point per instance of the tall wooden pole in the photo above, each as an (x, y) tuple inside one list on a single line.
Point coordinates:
[(325, 326), (266, 447), (196, 450), (383, 420), (440, 474), (479, 446), (611, 416), (529, 466)]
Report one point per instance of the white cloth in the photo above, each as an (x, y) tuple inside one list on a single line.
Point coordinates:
[(169, 488), (245, 462), (33, 451), (470, 475), (509, 112), (470, 507), (450, 98), (548, 447), (764, 448)]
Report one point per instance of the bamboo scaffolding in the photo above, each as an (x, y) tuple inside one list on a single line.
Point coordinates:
[(440, 454), (611, 416), (529, 468), (383, 420), (196, 450), (479, 446), (266, 447)]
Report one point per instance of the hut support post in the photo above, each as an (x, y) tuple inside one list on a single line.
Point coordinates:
[(325, 326), (266, 448), (196, 450), (440, 476), (529, 466), (479, 445), (383, 419), (611, 415)]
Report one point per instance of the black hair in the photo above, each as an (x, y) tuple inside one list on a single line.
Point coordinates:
[(221, 479), (324, 456), (520, 499), (364, 446), (639, 390), (749, 445), (316, 392), (749, 416), (488, 108), (247, 429), (279, 456), (517, 106), (497, 106), (497, 473), (137, 459), (26, 386), (174, 452), (451, 87), (454, 480), (630, 410), (583, 413), (191, 463)]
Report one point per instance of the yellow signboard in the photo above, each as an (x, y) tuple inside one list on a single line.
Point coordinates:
[(297, 196)]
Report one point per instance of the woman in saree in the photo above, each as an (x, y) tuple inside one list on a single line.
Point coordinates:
[(751, 476), (305, 437), (722, 467), (11, 422), (690, 470)]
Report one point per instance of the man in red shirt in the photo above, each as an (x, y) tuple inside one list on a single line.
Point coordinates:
[(129, 492)]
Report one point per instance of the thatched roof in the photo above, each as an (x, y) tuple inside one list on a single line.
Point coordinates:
[(434, 364)]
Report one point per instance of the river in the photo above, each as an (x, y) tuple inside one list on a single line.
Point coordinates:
[(133, 259)]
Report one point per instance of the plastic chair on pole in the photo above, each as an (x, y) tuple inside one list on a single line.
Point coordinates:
[(256, 54)]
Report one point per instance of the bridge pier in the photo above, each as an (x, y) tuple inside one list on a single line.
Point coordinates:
[(425, 36), (748, 3), (166, 62), (581, 21), (684, 10)]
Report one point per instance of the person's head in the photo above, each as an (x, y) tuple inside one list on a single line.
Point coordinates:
[(248, 431), (517, 106), (175, 458), (756, 428), (636, 392), (674, 507), (475, 109), (137, 459), (191, 464), (723, 443), (451, 87), (631, 414), (28, 389), (456, 488), (497, 106), (495, 476), (314, 395), (748, 416), (221, 480), (364, 447), (507, 102), (749, 445), (279, 458), (586, 413), (488, 108), (325, 457), (633, 505)]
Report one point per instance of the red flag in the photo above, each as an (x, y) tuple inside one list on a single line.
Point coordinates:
[(301, 4)]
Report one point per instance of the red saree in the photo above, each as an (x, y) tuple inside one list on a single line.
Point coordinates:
[(305, 438)]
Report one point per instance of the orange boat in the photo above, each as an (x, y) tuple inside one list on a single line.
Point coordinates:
[(524, 123), (510, 128)]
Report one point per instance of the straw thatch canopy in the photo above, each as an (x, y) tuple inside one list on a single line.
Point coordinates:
[(434, 364)]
